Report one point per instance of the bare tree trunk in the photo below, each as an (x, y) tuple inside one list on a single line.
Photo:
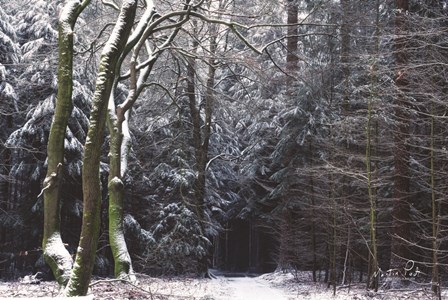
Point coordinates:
[(199, 187), (55, 253), (201, 134), (85, 256), (118, 149), (313, 218), (118, 124), (292, 41), (347, 257), (373, 278), (373, 252), (436, 207), (401, 207), (334, 243), (345, 53)]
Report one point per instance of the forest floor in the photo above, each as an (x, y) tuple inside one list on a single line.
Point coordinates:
[(272, 286)]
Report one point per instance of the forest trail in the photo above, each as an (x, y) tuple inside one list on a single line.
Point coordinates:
[(245, 288)]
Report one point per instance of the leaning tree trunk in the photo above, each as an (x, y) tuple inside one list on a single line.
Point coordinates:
[(85, 257), (55, 253)]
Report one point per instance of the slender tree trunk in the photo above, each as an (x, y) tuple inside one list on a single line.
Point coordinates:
[(332, 239), (373, 248), (201, 134), (345, 53), (292, 59), (199, 187), (373, 252), (313, 220), (334, 244), (119, 141), (347, 257), (401, 207), (118, 124), (345, 60), (85, 256), (435, 215), (203, 150), (55, 253)]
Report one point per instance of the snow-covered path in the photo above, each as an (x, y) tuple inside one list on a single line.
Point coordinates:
[(247, 288)]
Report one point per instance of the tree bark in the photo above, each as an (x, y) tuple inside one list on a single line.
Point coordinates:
[(120, 139), (118, 124), (122, 260), (55, 253), (201, 137), (373, 276), (292, 60), (119, 149), (345, 53), (85, 256), (436, 213), (313, 216), (401, 207)]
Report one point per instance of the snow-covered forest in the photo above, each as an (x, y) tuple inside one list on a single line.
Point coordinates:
[(173, 137)]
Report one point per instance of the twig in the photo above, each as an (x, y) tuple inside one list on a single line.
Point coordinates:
[(123, 281)]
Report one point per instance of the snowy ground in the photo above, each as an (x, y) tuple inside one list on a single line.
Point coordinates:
[(305, 288), (272, 286)]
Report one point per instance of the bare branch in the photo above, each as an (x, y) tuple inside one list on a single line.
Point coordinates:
[(111, 3)]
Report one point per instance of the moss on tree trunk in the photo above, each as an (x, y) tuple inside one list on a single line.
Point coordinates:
[(85, 256), (122, 260), (55, 253)]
